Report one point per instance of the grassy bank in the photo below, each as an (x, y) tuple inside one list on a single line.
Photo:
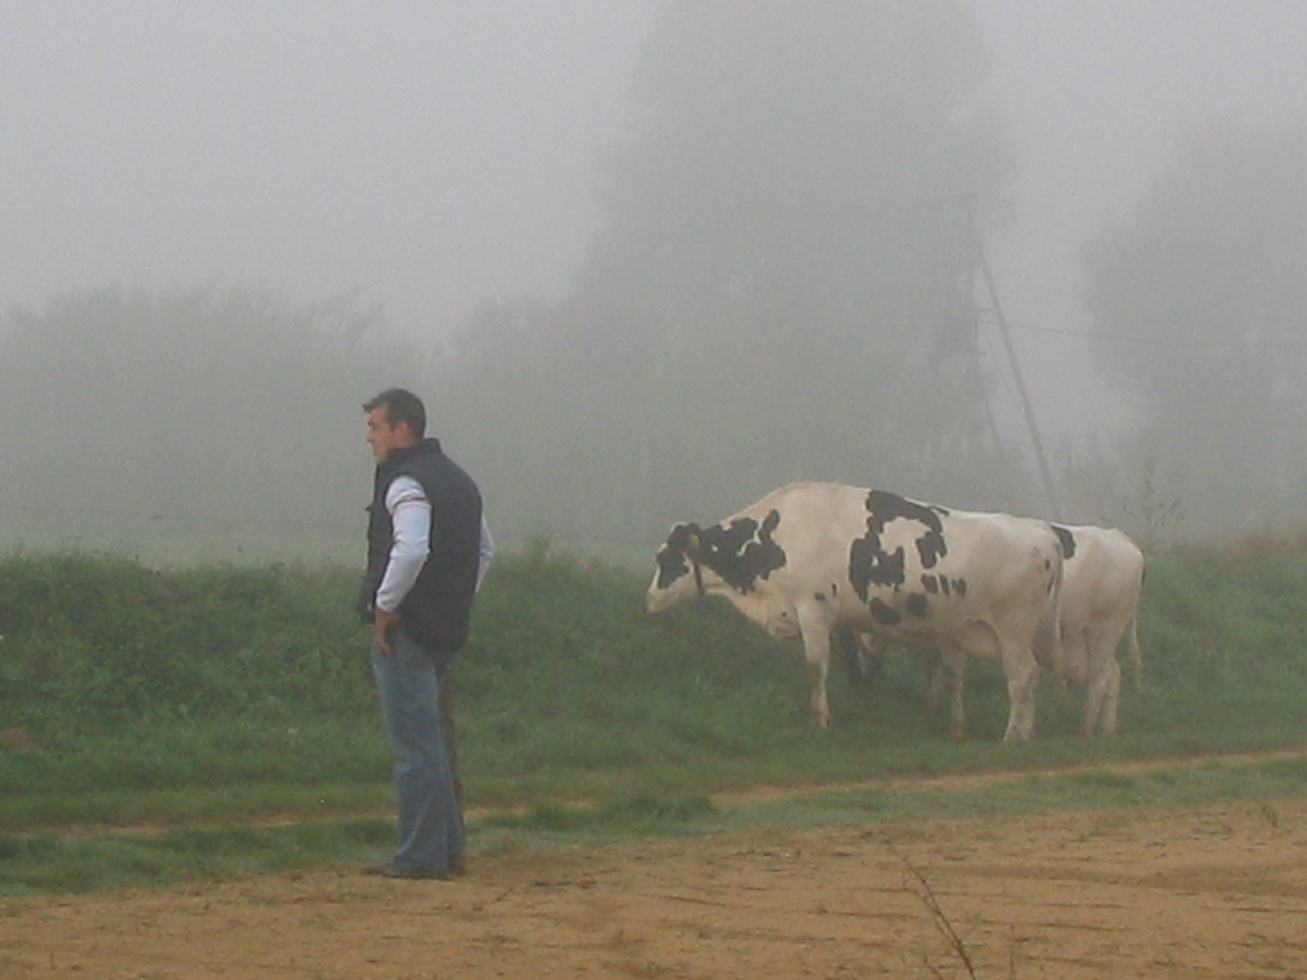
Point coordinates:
[(221, 696)]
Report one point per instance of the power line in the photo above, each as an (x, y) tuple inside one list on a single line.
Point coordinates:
[(164, 516), (1189, 343)]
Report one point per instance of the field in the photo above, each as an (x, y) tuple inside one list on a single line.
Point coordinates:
[(1217, 891), (191, 773)]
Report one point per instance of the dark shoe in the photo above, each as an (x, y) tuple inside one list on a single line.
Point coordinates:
[(389, 870)]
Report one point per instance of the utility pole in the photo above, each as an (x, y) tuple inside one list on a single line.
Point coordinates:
[(1027, 410)]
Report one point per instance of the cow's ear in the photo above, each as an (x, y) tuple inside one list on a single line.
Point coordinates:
[(692, 541)]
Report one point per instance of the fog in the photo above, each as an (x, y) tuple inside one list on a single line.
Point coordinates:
[(1096, 94), (423, 162), (425, 154)]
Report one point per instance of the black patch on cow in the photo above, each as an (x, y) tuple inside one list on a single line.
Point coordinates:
[(941, 585), (671, 558), (960, 586), (885, 507), (918, 605), (870, 564), (743, 551), (931, 548), (890, 507), (1066, 539), (884, 614)]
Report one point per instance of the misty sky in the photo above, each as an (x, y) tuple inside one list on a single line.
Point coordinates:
[(429, 155)]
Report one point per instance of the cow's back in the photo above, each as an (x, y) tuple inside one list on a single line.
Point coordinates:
[(1104, 574), (817, 523), (928, 575)]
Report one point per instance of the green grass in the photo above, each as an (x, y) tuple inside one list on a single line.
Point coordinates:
[(44, 862), (222, 696)]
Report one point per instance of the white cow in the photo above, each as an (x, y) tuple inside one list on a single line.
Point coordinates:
[(1102, 579), (1103, 576), (810, 557)]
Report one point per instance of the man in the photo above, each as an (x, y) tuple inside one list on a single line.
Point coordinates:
[(428, 549)]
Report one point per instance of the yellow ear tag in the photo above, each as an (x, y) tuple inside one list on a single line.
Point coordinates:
[(692, 544)]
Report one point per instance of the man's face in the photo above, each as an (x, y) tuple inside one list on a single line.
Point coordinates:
[(384, 436)]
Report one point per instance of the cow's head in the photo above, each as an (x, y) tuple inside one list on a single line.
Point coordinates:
[(679, 575), (698, 561)]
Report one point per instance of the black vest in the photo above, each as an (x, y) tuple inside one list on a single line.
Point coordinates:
[(438, 608)]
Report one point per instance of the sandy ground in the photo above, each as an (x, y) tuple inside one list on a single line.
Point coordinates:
[(1218, 892)]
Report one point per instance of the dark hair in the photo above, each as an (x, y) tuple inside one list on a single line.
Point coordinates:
[(401, 406)]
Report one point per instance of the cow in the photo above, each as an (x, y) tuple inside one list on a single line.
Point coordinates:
[(811, 557), (1102, 579)]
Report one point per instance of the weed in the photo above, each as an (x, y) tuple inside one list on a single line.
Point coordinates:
[(918, 884)]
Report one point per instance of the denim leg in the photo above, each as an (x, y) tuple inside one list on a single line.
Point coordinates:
[(430, 834)]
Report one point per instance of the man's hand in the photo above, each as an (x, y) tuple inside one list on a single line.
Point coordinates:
[(381, 623)]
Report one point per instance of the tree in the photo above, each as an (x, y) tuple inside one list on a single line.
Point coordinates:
[(1199, 305), (780, 287), (211, 420)]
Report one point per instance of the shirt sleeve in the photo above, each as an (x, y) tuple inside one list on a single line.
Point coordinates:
[(410, 516), (487, 551)]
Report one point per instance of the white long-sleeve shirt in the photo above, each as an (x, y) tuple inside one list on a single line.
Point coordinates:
[(410, 516)]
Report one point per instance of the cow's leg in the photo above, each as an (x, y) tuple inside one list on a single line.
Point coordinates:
[(1077, 657), (1104, 693), (1111, 697), (869, 656), (1104, 689), (816, 651), (953, 671), (1022, 674), (863, 652), (935, 675)]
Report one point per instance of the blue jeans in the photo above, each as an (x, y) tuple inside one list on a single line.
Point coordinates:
[(430, 839)]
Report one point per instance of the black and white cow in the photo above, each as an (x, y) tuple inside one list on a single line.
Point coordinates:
[(810, 557), (1102, 580)]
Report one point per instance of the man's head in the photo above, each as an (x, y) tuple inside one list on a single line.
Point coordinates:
[(396, 420)]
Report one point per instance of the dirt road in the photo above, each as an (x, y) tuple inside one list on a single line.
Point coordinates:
[(1217, 893)]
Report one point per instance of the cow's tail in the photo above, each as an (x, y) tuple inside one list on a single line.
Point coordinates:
[(1136, 657)]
